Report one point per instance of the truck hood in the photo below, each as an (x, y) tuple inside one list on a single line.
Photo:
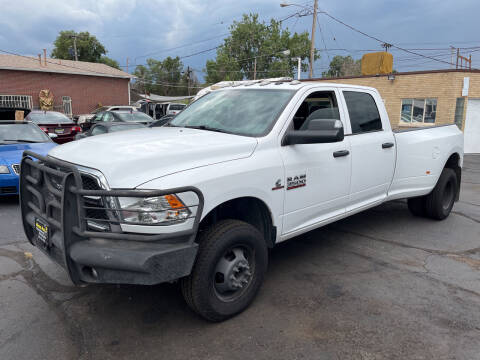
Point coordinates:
[(130, 158)]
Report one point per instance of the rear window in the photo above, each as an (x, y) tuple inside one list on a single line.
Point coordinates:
[(363, 112), (48, 117), (177, 106)]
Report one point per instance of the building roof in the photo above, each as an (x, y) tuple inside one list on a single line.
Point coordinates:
[(476, 71), (27, 63)]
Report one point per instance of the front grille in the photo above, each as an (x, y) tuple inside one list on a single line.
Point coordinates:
[(95, 214), (16, 168), (89, 183), (8, 190)]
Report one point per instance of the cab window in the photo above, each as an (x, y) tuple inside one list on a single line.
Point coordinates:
[(317, 105), (363, 112)]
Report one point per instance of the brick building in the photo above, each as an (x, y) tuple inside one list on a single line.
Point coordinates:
[(425, 98), (77, 86)]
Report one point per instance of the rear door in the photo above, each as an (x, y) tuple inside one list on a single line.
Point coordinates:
[(372, 149)]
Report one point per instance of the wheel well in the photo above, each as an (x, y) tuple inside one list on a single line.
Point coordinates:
[(249, 209), (453, 163)]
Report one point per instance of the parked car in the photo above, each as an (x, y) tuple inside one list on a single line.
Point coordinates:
[(173, 108), (15, 137), (108, 127), (162, 121), (120, 116), (80, 119), (55, 123), (238, 171)]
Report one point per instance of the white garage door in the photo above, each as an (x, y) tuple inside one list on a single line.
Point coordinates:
[(472, 127)]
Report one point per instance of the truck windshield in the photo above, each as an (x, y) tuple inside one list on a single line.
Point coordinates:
[(248, 112)]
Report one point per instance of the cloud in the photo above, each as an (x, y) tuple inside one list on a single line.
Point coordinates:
[(131, 28)]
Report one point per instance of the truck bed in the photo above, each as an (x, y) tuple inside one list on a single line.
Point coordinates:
[(421, 156)]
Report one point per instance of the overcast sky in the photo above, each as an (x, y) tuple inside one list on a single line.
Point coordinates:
[(137, 28)]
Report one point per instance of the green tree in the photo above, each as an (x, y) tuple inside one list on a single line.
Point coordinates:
[(343, 66), (250, 39), (110, 62), (88, 48), (166, 77)]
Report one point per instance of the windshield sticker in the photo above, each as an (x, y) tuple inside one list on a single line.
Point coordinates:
[(296, 181)]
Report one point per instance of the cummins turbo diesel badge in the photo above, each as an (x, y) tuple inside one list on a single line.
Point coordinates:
[(296, 181)]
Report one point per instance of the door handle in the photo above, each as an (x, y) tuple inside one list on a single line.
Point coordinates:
[(387, 145), (340, 153)]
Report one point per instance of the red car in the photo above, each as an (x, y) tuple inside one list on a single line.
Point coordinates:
[(55, 123)]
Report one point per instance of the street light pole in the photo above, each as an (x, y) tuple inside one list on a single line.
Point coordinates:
[(299, 64), (312, 41)]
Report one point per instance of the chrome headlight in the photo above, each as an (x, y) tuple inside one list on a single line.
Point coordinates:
[(4, 169), (158, 210)]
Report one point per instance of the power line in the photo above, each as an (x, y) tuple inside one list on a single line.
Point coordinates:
[(383, 42)]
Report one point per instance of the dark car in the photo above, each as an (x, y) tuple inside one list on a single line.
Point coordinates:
[(108, 127), (162, 121), (118, 116), (55, 123)]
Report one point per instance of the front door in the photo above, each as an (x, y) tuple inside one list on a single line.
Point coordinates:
[(317, 181)]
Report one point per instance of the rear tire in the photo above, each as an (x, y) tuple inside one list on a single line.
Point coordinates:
[(416, 206), (228, 272), (439, 203)]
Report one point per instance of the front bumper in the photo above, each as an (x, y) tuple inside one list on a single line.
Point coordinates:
[(52, 191), (8, 184)]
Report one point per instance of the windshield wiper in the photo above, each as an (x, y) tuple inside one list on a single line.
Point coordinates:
[(21, 140), (203, 127)]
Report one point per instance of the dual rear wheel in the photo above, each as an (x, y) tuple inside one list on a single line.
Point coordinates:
[(439, 203)]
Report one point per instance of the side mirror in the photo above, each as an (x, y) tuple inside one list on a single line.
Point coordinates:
[(318, 131), (52, 135)]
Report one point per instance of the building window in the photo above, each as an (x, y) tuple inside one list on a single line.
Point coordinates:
[(418, 111), (16, 101), (459, 107), (67, 105)]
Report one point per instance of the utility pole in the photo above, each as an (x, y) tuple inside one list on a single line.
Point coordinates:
[(299, 66), (453, 54), (75, 47), (75, 54), (255, 69), (312, 43), (188, 79), (127, 64)]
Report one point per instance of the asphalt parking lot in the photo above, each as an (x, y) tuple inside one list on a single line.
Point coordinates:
[(379, 285)]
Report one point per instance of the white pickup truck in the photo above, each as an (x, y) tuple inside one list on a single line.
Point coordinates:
[(238, 171)]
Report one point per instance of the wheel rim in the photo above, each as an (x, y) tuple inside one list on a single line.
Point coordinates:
[(448, 195), (233, 273)]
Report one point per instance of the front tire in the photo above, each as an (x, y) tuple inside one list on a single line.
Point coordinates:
[(228, 272)]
